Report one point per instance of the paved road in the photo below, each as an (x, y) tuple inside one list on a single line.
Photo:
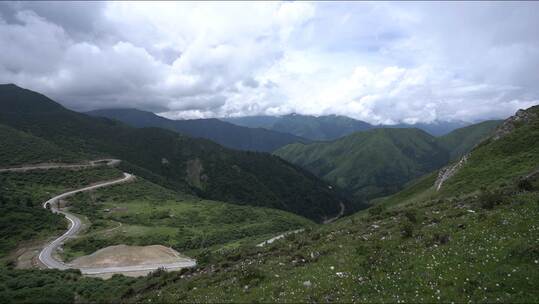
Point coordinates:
[(94, 163), (280, 236), (341, 212), (45, 256)]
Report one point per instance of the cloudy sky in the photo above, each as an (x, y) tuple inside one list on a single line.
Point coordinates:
[(379, 62)]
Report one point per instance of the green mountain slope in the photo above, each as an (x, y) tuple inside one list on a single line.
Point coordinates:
[(223, 133), (151, 214), (176, 161), (22, 148), (475, 240), (500, 160), (497, 161), (460, 141), (137, 213), (379, 162), (372, 163)]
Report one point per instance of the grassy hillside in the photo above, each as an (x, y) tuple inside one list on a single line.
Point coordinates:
[(21, 215), (381, 161), (460, 141), (494, 162), (461, 244), (136, 213), (142, 213), (223, 133), (21, 148), (476, 243), (176, 161), (427, 253), (371, 163)]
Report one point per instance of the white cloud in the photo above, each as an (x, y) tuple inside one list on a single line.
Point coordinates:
[(380, 62)]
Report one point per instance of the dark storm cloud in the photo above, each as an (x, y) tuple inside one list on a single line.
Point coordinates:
[(381, 62)]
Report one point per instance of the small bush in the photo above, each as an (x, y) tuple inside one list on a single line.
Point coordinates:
[(407, 230), (441, 238), (411, 216), (489, 200), (251, 276), (376, 210), (525, 185)]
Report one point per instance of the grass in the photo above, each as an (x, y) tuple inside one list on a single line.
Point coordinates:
[(142, 213), (22, 148), (365, 258), (418, 190), (22, 218), (476, 240), (494, 162), (372, 163)]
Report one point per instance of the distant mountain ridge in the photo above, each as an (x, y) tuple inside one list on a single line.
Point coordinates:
[(379, 162), (164, 157), (320, 128), (223, 133), (331, 127)]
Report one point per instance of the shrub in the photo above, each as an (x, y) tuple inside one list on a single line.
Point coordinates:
[(411, 216), (407, 230), (524, 185), (251, 276), (441, 238), (376, 210), (489, 200)]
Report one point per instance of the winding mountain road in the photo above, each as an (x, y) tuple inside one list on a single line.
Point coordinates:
[(46, 254)]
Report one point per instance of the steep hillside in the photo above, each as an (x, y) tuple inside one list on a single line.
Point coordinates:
[(223, 133), (508, 157), (475, 240), (22, 148), (176, 161), (381, 161), (371, 163), (510, 153), (460, 141), (135, 213)]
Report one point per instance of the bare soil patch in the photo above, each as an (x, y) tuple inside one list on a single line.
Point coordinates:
[(123, 255)]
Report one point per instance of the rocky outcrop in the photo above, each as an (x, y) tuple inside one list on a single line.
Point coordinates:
[(194, 171), (510, 124), (446, 172)]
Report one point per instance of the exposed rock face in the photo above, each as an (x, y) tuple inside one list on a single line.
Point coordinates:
[(521, 117), (510, 124), (194, 176), (446, 172)]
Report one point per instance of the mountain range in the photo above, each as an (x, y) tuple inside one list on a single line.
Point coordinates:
[(223, 133), (461, 228), (165, 157), (379, 162), (330, 127), (473, 240)]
